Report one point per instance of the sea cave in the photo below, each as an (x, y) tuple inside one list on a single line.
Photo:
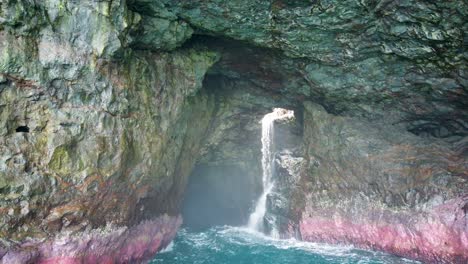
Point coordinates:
[(262, 131)]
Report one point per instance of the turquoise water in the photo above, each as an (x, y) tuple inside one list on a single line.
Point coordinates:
[(235, 245)]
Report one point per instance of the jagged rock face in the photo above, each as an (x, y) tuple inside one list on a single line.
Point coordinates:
[(285, 204), (92, 134), (106, 106), (101, 245), (377, 186), (86, 142), (359, 57)]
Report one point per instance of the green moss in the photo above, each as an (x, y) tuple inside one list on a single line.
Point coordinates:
[(60, 161), (81, 165), (41, 143)]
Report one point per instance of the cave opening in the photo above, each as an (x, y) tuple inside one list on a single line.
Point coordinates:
[(227, 186), (236, 186)]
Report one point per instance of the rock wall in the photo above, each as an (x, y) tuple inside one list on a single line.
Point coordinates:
[(378, 187), (106, 106), (92, 133), (348, 180), (101, 245)]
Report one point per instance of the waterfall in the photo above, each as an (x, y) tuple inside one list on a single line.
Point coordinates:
[(256, 218)]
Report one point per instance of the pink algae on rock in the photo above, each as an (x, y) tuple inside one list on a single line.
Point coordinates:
[(137, 244), (437, 236)]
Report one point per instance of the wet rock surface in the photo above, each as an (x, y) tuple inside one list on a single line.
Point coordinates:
[(92, 134), (289, 164), (353, 57), (379, 187), (103, 245), (107, 106)]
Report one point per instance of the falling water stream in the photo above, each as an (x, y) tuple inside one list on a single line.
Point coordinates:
[(268, 121)]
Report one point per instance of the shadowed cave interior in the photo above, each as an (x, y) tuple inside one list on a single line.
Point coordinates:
[(224, 194), (227, 180), (219, 195)]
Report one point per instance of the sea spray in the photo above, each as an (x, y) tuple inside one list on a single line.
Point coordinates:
[(234, 245)]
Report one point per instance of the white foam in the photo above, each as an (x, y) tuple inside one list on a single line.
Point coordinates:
[(246, 236), (168, 248), (229, 239)]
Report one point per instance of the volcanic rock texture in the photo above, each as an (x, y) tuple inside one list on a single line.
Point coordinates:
[(106, 107)]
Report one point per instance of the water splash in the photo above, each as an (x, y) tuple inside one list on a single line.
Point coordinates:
[(233, 245), (268, 121), (168, 248)]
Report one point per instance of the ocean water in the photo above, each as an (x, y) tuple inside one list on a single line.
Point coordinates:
[(236, 245)]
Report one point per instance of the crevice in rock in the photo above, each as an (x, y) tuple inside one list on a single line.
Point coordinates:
[(22, 129), (451, 129)]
